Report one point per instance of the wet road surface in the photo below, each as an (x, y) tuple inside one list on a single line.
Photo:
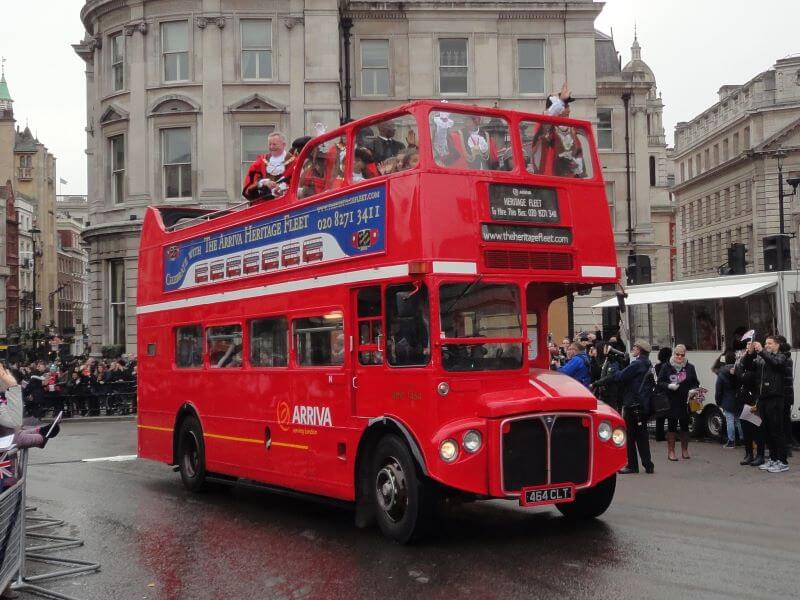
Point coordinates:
[(703, 528)]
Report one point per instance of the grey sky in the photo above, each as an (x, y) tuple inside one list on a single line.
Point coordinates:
[(693, 47)]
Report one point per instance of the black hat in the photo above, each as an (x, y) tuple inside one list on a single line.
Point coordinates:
[(300, 142)]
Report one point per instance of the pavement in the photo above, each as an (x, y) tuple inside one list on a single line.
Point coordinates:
[(699, 528)]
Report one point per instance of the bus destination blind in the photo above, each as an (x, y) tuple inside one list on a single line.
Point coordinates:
[(345, 227), (523, 203)]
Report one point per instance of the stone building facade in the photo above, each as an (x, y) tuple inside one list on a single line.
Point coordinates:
[(11, 258), (25, 211), (726, 165), (181, 95), (31, 168)]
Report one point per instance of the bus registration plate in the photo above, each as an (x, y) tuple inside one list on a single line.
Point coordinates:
[(551, 494)]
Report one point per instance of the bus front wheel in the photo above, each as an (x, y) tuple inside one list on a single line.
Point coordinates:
[(191, 455), (590, 503), (401, 497)]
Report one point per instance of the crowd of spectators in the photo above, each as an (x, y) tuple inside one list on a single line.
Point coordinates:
[(78, 386)]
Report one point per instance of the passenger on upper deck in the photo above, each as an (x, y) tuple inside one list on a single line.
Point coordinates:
[(384, 145), (269, 173)]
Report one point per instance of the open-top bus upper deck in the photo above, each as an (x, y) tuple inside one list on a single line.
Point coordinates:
[(527, 199)]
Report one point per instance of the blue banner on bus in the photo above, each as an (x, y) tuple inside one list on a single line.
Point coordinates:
[(346, 227)]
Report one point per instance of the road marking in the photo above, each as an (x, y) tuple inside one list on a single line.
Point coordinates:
[(121, 458)]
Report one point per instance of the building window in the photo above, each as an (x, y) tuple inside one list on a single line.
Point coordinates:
[(735, 144), (604, 139), (725, 150), (374, 67), (697, 168), (683, 172), (117, 169), (175, 48), (118, 62), (746, 138), (254, 142), (176, 155), (453, 67), (707, 159), (652, 171), (116, 300), (256, 49), (531, 66)]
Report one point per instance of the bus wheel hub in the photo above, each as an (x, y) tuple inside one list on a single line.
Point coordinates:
[(390, 485)]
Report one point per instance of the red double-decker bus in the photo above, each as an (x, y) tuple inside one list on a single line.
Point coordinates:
[(409, 361)]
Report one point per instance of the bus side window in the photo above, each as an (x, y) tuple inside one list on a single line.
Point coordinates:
[(224, 346), (189, 347), (370, 326), (387, 147), (559, 150), (408, 325), (319, 341), (322, 169), (268, 339)]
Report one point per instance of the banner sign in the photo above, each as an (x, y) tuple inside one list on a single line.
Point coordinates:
[(551, 236), (345, 227), (523, 203)]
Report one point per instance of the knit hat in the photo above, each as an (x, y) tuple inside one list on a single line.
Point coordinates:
[(644, 346)]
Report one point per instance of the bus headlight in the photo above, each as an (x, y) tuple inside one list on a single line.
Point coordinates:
[(618, 437), (448, 450), (472, 441), (604, 431)]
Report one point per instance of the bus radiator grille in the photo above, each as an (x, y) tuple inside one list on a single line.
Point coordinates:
[(524, 454), (569, 451), (539, 261), (525, 451)]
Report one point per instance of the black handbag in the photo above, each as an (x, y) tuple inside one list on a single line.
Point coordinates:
[(654, 400)]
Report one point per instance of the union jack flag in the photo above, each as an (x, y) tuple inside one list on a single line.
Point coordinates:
[(7, 466)]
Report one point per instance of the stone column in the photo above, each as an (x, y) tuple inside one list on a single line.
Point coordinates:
[(135, 48)]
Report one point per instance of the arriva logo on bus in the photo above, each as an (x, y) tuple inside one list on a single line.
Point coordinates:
[(316, 416)]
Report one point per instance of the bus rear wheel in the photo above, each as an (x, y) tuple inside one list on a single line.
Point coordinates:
[(401, 498), (191, 455), (590, 503)]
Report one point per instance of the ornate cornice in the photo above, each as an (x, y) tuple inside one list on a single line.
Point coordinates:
[(290, 21), (140, 26), (204, 21)]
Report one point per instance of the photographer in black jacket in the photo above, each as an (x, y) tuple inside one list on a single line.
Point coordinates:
[(769, 365), (635, 405)]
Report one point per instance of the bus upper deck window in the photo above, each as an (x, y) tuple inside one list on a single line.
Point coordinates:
[(322, 170), (467, 141), (560, 150), (386, 147)]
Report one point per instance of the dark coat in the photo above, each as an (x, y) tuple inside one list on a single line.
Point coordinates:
[(725, 392), (788, 380), (631, 379), (678, 399), (769, 372)]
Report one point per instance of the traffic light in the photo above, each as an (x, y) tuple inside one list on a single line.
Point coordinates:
[(776, 247), (639, 270), (737, 265)]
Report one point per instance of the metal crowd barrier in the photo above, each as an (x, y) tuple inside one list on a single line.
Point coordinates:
[(16, 527), (117, 397)]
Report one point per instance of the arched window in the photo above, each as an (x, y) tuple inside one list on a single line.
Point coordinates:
[(652, 171)]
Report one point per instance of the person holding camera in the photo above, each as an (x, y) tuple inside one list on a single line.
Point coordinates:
[(615, 360), (635, 405), (769, 365)]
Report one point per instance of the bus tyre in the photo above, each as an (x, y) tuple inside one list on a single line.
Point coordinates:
[(192, 455), (590, 503), (713, 418), (402, 499)]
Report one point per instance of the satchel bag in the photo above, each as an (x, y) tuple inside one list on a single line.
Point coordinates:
[(659, 400)]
